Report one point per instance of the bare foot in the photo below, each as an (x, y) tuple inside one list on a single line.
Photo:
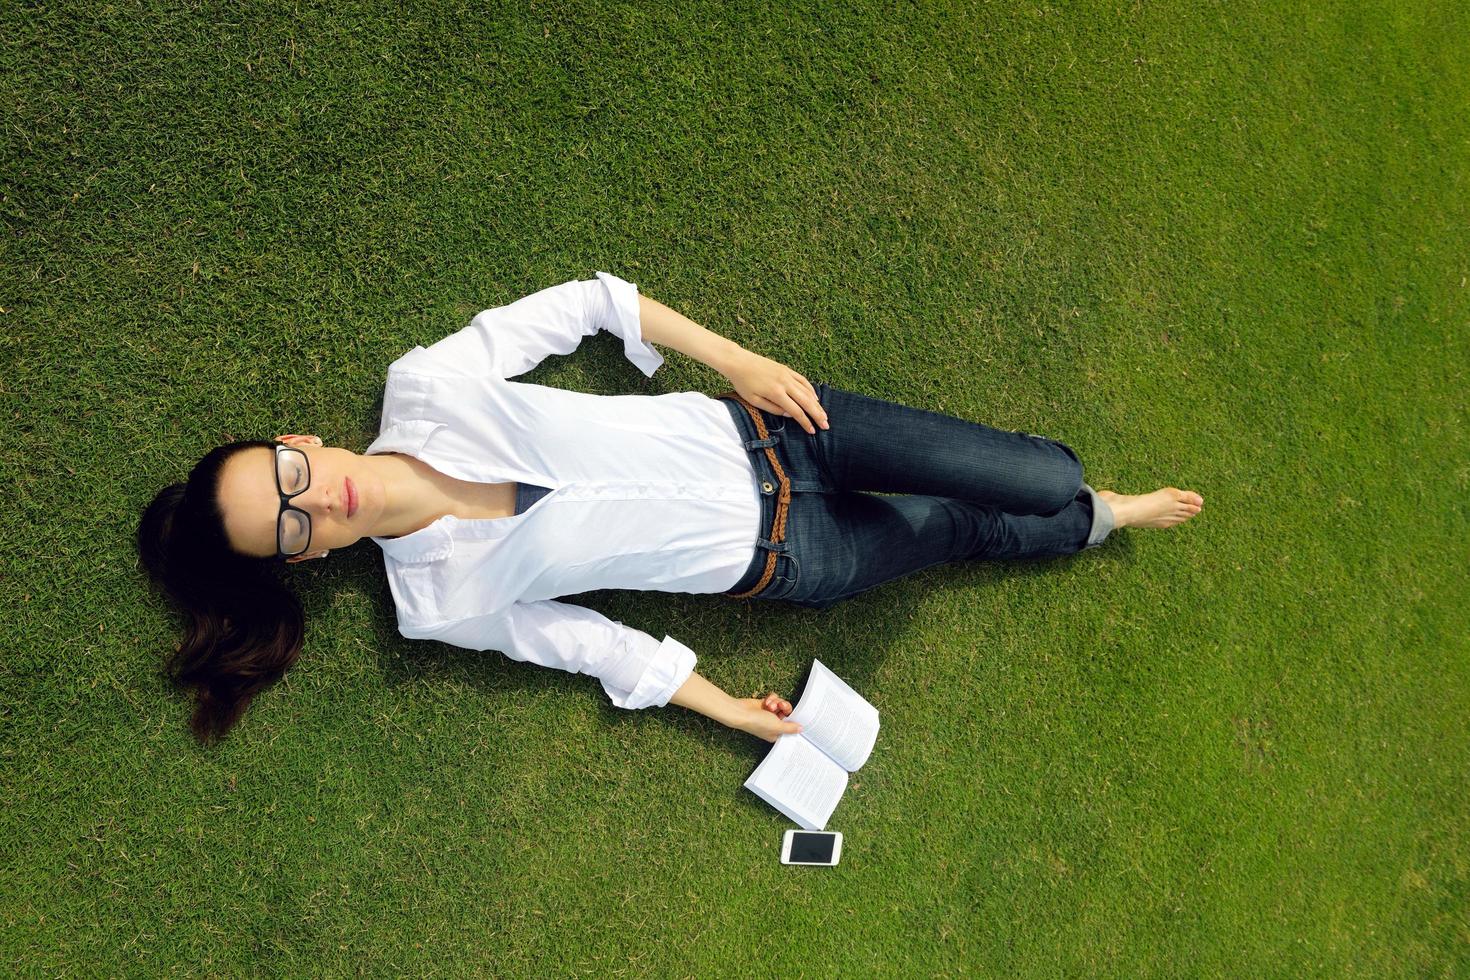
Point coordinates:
[(1162, 508)]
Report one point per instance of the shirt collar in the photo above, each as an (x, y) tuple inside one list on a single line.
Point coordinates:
[(406, 437), (432, 543)]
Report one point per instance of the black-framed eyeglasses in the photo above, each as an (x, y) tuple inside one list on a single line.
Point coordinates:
[(293, 478)]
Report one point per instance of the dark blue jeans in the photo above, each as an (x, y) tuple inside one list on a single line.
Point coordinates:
[(969, 491)]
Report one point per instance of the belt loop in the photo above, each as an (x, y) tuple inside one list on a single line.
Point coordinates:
[(762, 443)]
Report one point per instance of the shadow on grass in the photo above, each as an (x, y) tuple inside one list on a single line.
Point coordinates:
[(770, 640)]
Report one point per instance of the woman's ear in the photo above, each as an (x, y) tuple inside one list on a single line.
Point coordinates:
[(300, 440)]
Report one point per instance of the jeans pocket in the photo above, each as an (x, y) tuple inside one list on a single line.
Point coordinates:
[(783, 580)]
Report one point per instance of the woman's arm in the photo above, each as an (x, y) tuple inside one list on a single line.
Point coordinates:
[(767, 384), (759, 717), (661, 325)]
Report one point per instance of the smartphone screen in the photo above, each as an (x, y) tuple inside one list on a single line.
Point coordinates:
[(812, 848)]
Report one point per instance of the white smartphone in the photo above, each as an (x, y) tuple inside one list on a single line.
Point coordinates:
[(822, 847)]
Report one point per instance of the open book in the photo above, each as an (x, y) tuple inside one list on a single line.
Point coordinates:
[(804, 775)]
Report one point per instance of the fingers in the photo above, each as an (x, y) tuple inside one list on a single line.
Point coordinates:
[(782, 404), (808, 399), (783, 728), (766, 405), (787, 728), (805, 383), (790, 408), (798, 400), (776, 704)]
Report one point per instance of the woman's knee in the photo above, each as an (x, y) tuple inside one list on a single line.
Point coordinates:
[(1065, 482)]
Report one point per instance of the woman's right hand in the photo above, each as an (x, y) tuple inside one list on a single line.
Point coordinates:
[(764, 717), (773, 387), (761, 717)]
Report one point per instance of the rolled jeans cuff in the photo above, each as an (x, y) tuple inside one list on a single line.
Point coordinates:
[(1102, 519)]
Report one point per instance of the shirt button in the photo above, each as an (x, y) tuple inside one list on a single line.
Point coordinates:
[(766, 487)]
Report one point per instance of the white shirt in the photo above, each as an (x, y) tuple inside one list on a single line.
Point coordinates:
[(648, 492)]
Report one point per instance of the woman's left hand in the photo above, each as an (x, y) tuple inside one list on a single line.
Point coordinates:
[(765, 717), (773, 387)]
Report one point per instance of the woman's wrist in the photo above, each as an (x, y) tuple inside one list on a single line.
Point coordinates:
[(698, 694), (726, 356), (764, 719)]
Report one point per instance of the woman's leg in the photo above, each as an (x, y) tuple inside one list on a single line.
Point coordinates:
[(847, 543), (969, 491), (886, 447)]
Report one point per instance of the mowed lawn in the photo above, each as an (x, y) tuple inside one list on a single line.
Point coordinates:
[(1220, 246)]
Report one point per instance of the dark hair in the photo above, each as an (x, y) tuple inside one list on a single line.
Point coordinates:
[(245, 626)]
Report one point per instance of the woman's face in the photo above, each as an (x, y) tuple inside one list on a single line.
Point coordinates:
[(252, 505)]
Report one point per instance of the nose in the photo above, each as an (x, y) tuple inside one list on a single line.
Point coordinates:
[(321, 503)]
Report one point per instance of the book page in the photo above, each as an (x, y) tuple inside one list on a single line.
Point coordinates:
[(797, 779), (837, 719)]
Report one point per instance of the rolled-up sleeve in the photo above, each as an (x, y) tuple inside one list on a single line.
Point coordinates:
[(509, 340), (616, 310), (636, 670)]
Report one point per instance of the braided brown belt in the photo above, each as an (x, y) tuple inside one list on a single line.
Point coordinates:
[(783, 499)]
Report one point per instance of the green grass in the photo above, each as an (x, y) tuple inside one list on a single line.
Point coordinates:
[(1219, 246)]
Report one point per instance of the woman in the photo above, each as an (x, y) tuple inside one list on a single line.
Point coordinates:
[(491, 498)]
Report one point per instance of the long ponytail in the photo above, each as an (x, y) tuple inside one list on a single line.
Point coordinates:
[(244, 625)]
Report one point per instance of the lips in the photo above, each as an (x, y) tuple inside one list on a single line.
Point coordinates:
[(350, 496)]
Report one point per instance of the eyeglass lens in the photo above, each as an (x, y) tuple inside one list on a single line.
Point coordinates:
[(293, 531)]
